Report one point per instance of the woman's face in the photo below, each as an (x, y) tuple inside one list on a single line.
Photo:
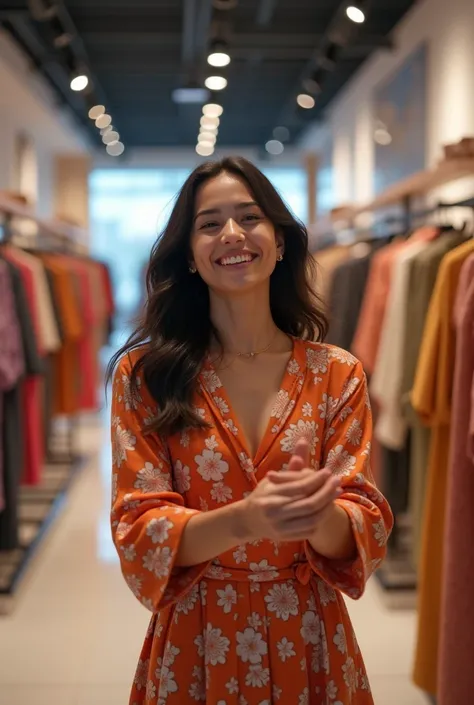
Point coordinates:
[(234, 245)]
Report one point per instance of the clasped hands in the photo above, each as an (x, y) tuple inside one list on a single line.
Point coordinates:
[(291, 505)]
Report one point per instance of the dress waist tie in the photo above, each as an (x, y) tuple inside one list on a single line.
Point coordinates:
[(298, 571)]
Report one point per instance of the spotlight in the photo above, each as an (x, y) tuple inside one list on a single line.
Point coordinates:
[(207, 137), (115, 149), (383, 137), (96, 111), (79, 81), (355, 14), (103, 121), (110, 137), (305, 101), (219, 55), (274, 147), (204, 149), (213, 110), (215, 83), (209, 123)]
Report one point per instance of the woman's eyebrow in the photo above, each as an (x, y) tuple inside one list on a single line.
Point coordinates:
[(213, 211)]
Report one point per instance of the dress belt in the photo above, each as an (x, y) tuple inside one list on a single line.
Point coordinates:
[(301, 572)]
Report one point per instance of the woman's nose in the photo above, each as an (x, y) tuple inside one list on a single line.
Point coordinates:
[(231, 231)]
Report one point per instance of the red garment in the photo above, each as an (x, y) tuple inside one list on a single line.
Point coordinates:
[(457, 619), (31, 388)]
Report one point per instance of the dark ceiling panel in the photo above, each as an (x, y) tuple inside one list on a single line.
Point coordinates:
[(139, 52)]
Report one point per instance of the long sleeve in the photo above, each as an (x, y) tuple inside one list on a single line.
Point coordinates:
[(148, 517), (346, 452)]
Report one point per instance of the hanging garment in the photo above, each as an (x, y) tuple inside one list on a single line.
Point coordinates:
[(431, 399), (265, 621), (12, 363), (346, 295), (31, 389), (367, 336), (327, 260), (457, 621), (386, 382), (423, 271), (15, 422)]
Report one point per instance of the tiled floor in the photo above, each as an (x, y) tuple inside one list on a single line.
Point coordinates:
[(76, 630)]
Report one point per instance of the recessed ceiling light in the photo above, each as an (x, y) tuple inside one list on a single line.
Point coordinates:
[(383, 137), (110, 137), (115, 149), (210, 123), (103, 121), (79, 82), (305, 101), (274, 147), (355, 14), (218, 59), (204, 150), (215, 83), (96, 111), (212, 110), (207, 137)]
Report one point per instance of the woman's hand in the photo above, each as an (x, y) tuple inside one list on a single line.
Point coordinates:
[(289, 505)]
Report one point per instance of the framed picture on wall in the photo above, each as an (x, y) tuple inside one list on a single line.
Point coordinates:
[(400, 121)]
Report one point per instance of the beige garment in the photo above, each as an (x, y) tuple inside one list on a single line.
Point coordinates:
[(50, 339), (386, 385)]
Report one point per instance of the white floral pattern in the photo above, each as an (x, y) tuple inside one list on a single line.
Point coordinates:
[(275, 607)]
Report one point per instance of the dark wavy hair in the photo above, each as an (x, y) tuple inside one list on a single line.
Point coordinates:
[(175, 331)]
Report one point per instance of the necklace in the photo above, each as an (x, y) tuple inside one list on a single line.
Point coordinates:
[(254, 353)]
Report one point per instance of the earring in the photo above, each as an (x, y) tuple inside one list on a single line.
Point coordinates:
[(192, 269), (280, 257)]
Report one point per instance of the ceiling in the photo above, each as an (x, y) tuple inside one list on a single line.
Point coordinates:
[(138, 51)]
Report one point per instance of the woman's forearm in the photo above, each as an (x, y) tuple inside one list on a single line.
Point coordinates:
[(209, 534), (334, 539)]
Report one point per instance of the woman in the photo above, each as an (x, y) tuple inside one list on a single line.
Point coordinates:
[(242, 497)]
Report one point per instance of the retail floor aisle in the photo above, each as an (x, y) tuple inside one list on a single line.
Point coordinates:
[(76, 630)]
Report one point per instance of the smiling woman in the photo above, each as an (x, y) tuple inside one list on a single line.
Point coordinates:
[(243, 503)]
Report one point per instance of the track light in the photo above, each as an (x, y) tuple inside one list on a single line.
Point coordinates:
[(305, 101), (355, 13), (328, 58), (115, 149), (219, 54), (79, 81), (96, 111), (204, 150), (103, 121), (212, 110), (274, 147), (215, 83)]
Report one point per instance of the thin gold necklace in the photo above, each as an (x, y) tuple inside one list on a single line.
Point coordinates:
[(254, 353)]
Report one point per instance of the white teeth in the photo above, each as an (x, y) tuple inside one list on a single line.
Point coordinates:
[(236, 260)]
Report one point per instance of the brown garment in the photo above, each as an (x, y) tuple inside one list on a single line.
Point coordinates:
[(431, 399), (327, 261), (457, 622)]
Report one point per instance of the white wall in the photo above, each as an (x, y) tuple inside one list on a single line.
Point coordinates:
[(448, 29), (27, 106)]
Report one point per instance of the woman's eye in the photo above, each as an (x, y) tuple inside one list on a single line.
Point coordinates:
[(251, 216), (207, 226)]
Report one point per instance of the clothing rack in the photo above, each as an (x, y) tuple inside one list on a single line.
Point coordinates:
[(38, 505)]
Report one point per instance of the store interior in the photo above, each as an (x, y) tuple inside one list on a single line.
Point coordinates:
[(362, 116)]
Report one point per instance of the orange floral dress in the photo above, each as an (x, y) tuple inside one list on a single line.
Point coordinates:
[(266, 622)]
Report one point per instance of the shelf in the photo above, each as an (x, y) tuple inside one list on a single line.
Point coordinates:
[(421, 183), (11, 207)]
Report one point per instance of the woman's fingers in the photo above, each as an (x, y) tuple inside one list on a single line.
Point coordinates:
[(313, 504), (292, 486), (302, 451)]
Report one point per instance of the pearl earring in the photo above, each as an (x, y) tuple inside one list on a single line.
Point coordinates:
[(192, 269), (280, 257)]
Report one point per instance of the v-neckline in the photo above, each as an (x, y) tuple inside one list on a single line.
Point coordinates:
[(284, 404)]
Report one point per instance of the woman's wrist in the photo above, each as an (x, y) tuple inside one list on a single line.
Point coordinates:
[(333, 537), (242, 524)]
